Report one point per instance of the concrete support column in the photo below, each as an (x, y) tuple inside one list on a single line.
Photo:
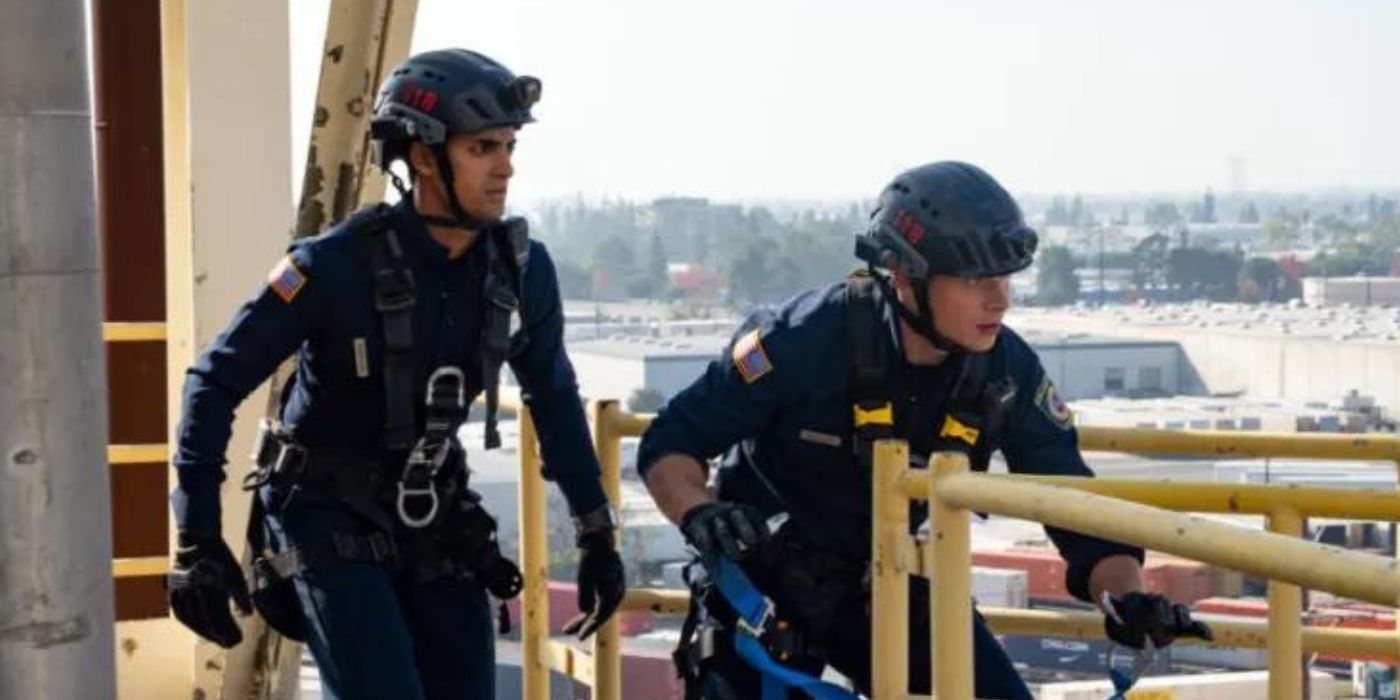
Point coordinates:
[(56, 607)]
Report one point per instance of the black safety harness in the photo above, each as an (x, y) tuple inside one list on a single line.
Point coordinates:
[(439, 520), (973, 420)]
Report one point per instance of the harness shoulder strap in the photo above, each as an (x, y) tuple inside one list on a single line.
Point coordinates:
[(507, 251), (394, 298), (871, 397), (976, 410)]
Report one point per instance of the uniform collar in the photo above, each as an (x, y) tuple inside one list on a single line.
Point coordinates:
[(421, 244)]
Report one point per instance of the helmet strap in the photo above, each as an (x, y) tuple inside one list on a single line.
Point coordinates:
[(397, 182), (460, 218), (922, 323)]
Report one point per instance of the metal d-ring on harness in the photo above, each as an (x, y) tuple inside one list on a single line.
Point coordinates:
[(446, 408)]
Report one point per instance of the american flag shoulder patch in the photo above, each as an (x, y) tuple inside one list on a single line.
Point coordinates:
[(286, 280), (750, 358)]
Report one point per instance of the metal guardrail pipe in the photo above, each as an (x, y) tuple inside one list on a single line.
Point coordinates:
[(890, 566), (662, 601), (1286, 669), (1188, 537), (630, 424), (1361, 576), (534, 564), (574, 663), (1239, 444), (948, 561), (1212, 497), (607, 642), (1228, 633)]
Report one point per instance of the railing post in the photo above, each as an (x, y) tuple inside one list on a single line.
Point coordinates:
[(534, 560), (948, 563), (1285, 620), (1395, 552), (607, 650), (889, 588)]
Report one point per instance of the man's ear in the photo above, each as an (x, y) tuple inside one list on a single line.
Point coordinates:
[(421, 160)]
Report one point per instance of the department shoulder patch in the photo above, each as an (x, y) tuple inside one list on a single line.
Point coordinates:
[(1047, 399), (750, 358), (285, 280)]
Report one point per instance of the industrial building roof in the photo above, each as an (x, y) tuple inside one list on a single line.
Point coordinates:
[(1374, 324)]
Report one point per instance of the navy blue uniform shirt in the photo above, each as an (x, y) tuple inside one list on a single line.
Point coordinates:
[(778, 401), (319, 303)]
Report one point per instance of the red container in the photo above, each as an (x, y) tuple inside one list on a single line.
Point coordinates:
[(1045, 570), (1181, 580), (650, 675)]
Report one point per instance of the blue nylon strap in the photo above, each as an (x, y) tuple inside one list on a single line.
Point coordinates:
[(1122, 680), (756, 612), (1122, 683)]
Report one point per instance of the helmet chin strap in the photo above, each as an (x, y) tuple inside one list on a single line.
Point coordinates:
[(460, 218), (923, 322)]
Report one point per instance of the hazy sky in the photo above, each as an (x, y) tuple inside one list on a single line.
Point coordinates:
[(829, 98)]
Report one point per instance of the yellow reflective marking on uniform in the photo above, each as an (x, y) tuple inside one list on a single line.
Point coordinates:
[(954, 428), (883, 415)]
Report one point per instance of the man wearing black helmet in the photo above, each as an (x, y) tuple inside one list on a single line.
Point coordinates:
[(368, 542), (914, 348)]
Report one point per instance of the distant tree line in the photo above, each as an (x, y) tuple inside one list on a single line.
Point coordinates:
[(756, 255)]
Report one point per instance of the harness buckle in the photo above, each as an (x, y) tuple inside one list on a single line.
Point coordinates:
[(287, 457), (291, 457), (757, 630)]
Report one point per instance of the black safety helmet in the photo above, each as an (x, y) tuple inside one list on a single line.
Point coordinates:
[(946, 218), (436, 94)]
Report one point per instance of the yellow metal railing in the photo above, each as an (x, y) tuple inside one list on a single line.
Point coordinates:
[(1284, 507), (136, 332), (952, 493)]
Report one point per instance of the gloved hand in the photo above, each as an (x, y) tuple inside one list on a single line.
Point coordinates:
[(601, 583), (201, 582), (1135, 618), (731, 530)]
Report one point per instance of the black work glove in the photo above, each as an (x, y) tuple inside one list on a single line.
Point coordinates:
[(601, 583), (1138, 617), (722, 529), (201, 582)]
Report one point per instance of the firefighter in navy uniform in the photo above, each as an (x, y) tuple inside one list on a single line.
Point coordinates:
[(369, 542), (912, 348)]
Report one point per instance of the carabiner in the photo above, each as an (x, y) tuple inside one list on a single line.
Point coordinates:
[(405, 493)]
